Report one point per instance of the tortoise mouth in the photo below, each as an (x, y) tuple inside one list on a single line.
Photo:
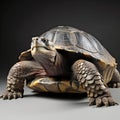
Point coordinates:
[(39, 46)]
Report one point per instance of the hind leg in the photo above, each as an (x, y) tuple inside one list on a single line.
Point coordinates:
[(21, 71), (91, 80), (115, 82)]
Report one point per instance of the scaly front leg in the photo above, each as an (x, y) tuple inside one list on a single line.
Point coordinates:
[(20, 72), (91, 80)]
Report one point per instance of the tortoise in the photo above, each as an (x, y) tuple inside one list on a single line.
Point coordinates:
[(65, 60)]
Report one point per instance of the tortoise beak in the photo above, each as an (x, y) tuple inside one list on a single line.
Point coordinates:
[(41, 43), (35, 43), (38, 45)]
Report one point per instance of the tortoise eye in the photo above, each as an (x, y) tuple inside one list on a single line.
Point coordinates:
[(45, 41)]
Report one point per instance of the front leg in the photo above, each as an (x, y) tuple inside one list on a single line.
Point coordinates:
[(115, 82), (91, 81), (18, 73)]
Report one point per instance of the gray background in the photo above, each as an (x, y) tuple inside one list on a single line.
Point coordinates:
[(56, 107), (21, 20)]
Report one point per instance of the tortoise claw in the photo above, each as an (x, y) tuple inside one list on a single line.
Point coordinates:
[(102, 101), (10, 95), (114, 85)]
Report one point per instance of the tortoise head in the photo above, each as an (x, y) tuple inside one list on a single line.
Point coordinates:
[(42, 44), (42, 49)]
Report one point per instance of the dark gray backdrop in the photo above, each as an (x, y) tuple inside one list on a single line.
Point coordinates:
[(21, 20)]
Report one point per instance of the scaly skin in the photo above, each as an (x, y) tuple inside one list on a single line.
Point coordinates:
[(21, 71), (91, 80)]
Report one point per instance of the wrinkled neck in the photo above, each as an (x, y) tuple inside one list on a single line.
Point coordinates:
[(57, 66), (52, 63)]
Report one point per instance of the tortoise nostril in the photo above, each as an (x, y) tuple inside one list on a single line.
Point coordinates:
[(35, 39)]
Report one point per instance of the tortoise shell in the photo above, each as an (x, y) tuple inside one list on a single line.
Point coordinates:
[(74, 40)]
